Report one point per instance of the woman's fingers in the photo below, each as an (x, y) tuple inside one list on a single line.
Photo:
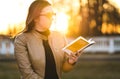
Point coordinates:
[(78, 53), (74, 57)]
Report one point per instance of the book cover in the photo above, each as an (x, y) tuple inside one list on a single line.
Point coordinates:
[(78, 44)]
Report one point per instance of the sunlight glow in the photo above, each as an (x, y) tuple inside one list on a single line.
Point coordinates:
[(116, 3), (66, 11), (109, 28), (12, 12), (60, 23)]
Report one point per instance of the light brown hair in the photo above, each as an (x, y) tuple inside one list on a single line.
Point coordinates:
[(33, 12)]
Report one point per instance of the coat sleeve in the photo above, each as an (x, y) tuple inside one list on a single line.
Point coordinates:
[(22, 58)]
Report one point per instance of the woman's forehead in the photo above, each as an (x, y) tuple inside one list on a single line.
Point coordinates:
[(47, 9)]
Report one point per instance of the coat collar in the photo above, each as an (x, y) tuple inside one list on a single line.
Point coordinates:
[(39, 35)]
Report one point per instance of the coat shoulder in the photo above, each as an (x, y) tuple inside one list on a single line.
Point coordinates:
[(56, 33), (21, 37)]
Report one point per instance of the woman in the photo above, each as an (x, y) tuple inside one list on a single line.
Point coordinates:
[(37, 49)]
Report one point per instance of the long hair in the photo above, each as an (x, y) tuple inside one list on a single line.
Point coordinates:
[(33, 12)]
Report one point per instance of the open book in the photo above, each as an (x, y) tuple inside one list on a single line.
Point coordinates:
[(79, 44)]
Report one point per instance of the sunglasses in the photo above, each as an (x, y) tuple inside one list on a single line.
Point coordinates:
[(49, 15)]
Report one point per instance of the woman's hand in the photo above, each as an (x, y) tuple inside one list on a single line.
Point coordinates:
[(72, 59)]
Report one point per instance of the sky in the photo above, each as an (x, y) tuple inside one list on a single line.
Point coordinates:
[(12, 12)]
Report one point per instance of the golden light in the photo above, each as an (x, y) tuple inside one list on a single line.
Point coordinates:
[(13, 12), (65, 11), (3, 28), (118, 28), (13, 15), (110, 28), (116, 3), (60, 22)]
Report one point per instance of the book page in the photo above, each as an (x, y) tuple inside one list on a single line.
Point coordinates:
[(77, 45)]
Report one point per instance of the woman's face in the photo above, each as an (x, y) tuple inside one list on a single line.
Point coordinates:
[(43, 22)]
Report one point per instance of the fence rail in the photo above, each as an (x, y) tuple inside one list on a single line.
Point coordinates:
[(106, 44), (103, 44)]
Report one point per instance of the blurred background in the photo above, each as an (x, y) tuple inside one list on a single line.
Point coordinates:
[(97, 19)]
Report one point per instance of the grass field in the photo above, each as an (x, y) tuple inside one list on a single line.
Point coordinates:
[(84, 69), (95, 70)]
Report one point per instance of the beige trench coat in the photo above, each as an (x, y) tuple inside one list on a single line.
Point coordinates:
[(30, 53)]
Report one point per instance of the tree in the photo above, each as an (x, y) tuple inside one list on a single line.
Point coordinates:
[(94, 14)]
